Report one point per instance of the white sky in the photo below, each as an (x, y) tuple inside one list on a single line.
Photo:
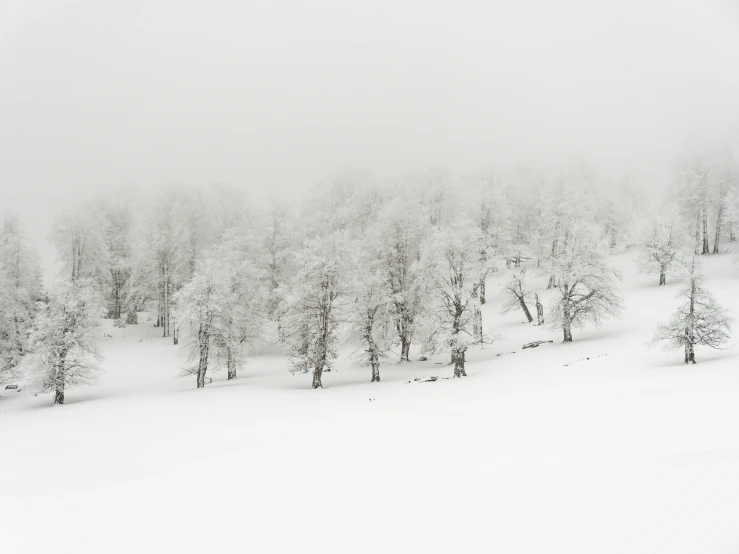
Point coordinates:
[(274, 95)]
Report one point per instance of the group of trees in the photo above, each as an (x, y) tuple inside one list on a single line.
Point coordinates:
[(387, 267)]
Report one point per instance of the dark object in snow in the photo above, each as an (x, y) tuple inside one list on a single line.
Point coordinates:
[(584, 360), (11, 387), (423, 359), (504, 353), (536, 343), (425, 379)]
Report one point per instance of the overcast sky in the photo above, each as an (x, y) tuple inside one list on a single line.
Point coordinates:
[(274, 95)]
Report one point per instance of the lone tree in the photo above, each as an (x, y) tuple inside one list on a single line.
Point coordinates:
[(515, 294), (588, 288), (64, 340), (699, 320)]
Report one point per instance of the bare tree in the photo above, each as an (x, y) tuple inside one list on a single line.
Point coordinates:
[(587, 291), (698, 321), (516, 293)]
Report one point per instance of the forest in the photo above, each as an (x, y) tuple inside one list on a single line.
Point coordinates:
[(394, 269)]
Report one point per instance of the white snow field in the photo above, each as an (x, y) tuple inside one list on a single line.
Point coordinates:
[(604, 445)]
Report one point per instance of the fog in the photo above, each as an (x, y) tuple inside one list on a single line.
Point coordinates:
[(273, 96)]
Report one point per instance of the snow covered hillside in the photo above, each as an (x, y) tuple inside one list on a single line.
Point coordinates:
[(597, 446)]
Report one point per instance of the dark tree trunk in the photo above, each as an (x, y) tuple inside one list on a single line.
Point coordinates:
[(662, 274), (405, 348), (458, 359), (552, 282), (375, 362), (525, 308), (59, 380), (204, 341), (567, 328), (317, 372), (689, 353), (706, 250), (481, 290), (231, 365)]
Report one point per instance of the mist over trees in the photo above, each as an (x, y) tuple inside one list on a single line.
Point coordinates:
[(393, 268)]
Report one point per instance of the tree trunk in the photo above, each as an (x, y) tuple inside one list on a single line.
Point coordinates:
[(231, 365), (552, 282), (59, 380), (317, 372), (567, 328), (718, 231), (477, 326), (706, 250), (204, 340), (481, 290), (165, 314), (405, 348), (458, 358), (525, 308), (375, 362), (662, 274), (539, 311), (689, 353)]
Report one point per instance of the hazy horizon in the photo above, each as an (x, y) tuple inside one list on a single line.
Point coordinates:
[(273, 97)]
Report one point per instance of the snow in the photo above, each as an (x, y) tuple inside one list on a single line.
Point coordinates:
[(603, 445)]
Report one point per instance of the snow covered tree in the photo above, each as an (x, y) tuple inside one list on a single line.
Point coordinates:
[(400, 229), (726, 184), (587, 288), (515, 293), (117, 223), (369, 312), (64, 341), (694, 186), (201, 304), (20, 288), (698, 321), (79, 236), (277, 240), (313, 319), (219, 309), (451, 257), (663, 246), (489, 216)]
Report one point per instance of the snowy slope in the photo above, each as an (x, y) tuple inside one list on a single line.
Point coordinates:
[(603, 445)]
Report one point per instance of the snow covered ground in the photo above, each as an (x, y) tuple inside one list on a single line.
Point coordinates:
[(603, 445)]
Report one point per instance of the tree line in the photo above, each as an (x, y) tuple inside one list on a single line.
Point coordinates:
[(390, 267)]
